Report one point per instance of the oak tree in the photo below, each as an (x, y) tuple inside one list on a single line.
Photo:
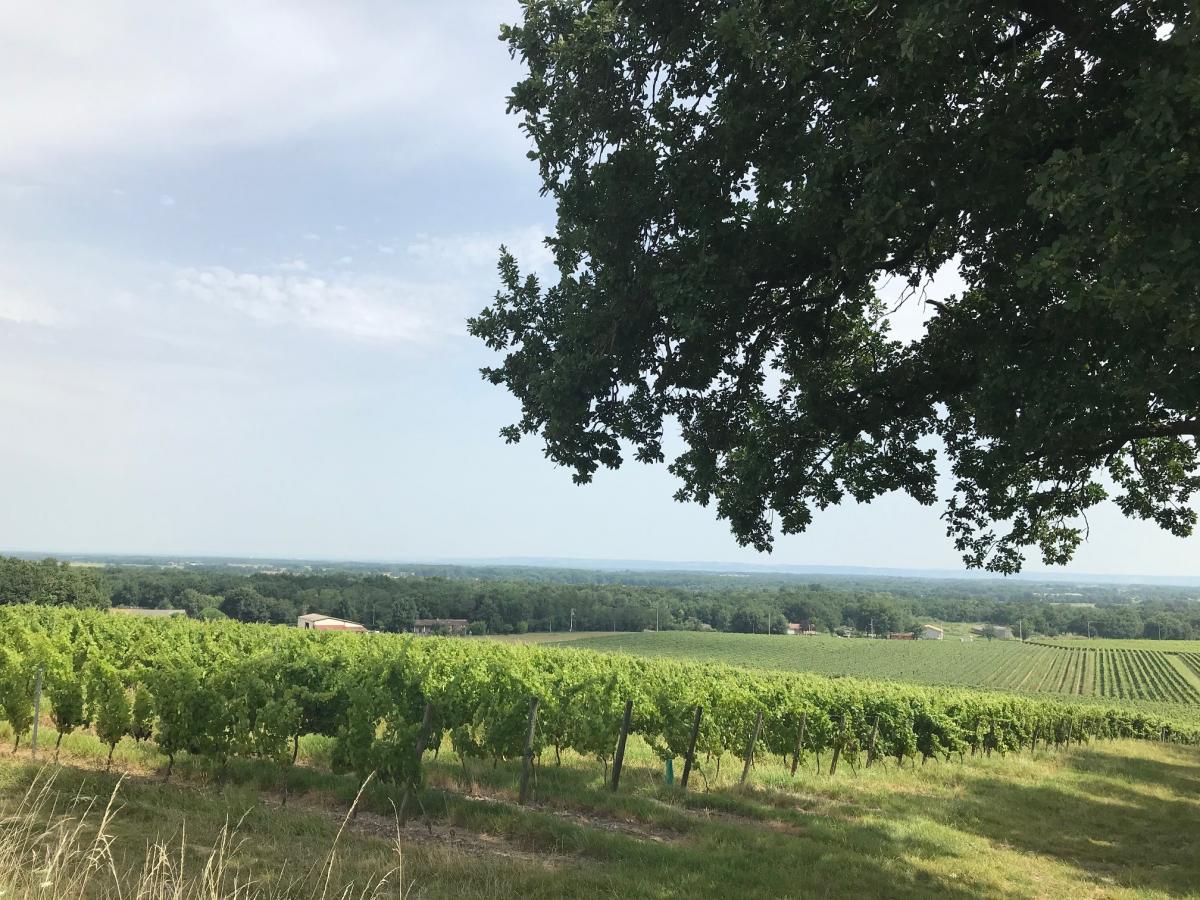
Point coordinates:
[(733, 180)]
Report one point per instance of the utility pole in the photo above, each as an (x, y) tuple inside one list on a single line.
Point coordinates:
[(872, 627), (1022, 623), (572, 628), (656, 622)]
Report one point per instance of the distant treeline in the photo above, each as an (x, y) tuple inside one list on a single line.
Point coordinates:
[(390, 602), (51, 583)]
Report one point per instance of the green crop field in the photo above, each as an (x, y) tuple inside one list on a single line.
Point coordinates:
[(1076, 642), (1104, 669)]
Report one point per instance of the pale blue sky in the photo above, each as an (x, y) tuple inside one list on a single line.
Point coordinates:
[(237, 246)]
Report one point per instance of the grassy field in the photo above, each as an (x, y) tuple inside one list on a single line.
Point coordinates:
[(1086, 670), (1116, 819)]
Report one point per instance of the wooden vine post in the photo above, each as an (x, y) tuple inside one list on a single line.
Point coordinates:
[(799, 742), (691, 751), (419, 752), (837, 748), (871, 745), (527, 761), (37, 710), (750, 748), (619, 758)]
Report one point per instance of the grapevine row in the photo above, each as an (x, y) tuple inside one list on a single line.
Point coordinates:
[(226, 690)]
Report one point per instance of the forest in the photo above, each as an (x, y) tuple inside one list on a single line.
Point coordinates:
[(505, 605)]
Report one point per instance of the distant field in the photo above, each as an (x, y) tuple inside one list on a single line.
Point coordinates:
[(1101, 669), (548, 637), (1074, 642)]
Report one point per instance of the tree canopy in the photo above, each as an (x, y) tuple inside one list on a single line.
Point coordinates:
[(733, 180)]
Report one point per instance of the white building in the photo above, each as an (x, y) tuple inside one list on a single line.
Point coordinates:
[(932, 633), (322, 622)]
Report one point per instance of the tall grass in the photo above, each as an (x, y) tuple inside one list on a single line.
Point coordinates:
[(54, 849)]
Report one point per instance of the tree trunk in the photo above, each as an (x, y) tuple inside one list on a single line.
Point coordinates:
[(57, 744), (108, 763), (295, 747)]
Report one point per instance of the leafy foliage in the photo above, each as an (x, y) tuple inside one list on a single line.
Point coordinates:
[(733, 179), (111, 713)]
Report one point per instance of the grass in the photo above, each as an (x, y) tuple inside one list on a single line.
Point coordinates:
[(1115, 819)]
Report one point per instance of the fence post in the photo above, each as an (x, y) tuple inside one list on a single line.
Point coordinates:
[(37, 710), (871, 745), (750, 749), (619, 758), (527, 763), (691, 752), (799, 742), (837, 748)]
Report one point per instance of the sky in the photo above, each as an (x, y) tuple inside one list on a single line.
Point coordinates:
[(238, 245)]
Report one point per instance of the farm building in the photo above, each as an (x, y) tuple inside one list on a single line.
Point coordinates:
[(999, 632), (440, 626), (322, 622), (802, 627), (901, 636), (148, 613), (932, 633)]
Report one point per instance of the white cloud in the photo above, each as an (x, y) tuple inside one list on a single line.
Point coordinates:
[(26, 311), (380, 309), (128, 79), (166, 200)]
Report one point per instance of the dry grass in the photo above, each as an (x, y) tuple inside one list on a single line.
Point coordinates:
[(51, 850)]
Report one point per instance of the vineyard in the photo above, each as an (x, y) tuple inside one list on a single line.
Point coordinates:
[(1068, 668), (226, 690)]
